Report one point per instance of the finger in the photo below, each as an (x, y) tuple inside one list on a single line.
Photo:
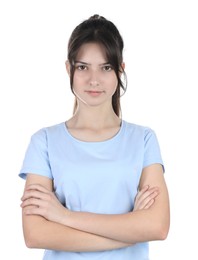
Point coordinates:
[(147, 193), (142, 191), (145, 201), (150, 197), (149, 204), (144, 188), (37, 187), (32, 202), (33, 193), (34, 211)]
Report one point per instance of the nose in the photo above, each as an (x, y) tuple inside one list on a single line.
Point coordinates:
[(94, 81)]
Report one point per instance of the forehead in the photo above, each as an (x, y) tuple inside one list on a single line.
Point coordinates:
[(92, 51)]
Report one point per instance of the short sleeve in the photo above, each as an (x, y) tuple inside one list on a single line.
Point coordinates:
[(152, 153), (36, 158)]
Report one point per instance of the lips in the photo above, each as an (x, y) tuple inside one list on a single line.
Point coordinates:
[(94, 92)]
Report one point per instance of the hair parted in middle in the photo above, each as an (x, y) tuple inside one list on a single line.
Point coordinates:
[(98, 29)]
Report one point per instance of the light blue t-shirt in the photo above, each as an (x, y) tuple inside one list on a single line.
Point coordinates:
[(98, 177)]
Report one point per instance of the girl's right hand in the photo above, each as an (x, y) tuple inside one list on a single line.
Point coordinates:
[(145, 198)]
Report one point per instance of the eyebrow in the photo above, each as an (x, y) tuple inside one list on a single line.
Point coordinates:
[(85, 63)]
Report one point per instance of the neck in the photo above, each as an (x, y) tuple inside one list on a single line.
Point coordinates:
[(95, 118)]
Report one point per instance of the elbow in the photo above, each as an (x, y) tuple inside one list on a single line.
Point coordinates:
[(161, 226), (33, 228), (162, 234), (162, 231), (29, 244), (33, 238), (30, 240)]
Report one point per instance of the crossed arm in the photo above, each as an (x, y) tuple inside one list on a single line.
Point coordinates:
[(48, 224)]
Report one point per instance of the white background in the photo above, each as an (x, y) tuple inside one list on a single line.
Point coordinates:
[(161, 55)]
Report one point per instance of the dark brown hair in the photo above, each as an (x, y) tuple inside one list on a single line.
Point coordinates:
[(100, 30)]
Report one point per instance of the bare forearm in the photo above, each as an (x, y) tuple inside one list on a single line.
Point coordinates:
[(40, 233), (146, 223), (135, 227)]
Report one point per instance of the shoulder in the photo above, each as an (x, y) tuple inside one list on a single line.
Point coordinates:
[(139, 134), (138, 129), (46, 135), (49, 130)]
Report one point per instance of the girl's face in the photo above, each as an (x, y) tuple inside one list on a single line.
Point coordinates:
[(94, 81)]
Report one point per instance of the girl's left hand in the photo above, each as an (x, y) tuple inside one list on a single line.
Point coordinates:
[(145, 197), (44, 203)]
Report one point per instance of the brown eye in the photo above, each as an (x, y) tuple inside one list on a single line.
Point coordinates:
[(81, 67), (107, 68)]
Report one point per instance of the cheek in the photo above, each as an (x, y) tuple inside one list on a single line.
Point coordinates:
[(80, 80), (114, 84), (81, 75), (76, 81)]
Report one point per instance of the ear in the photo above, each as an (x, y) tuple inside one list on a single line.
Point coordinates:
[(67, 65), (123, 66)]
